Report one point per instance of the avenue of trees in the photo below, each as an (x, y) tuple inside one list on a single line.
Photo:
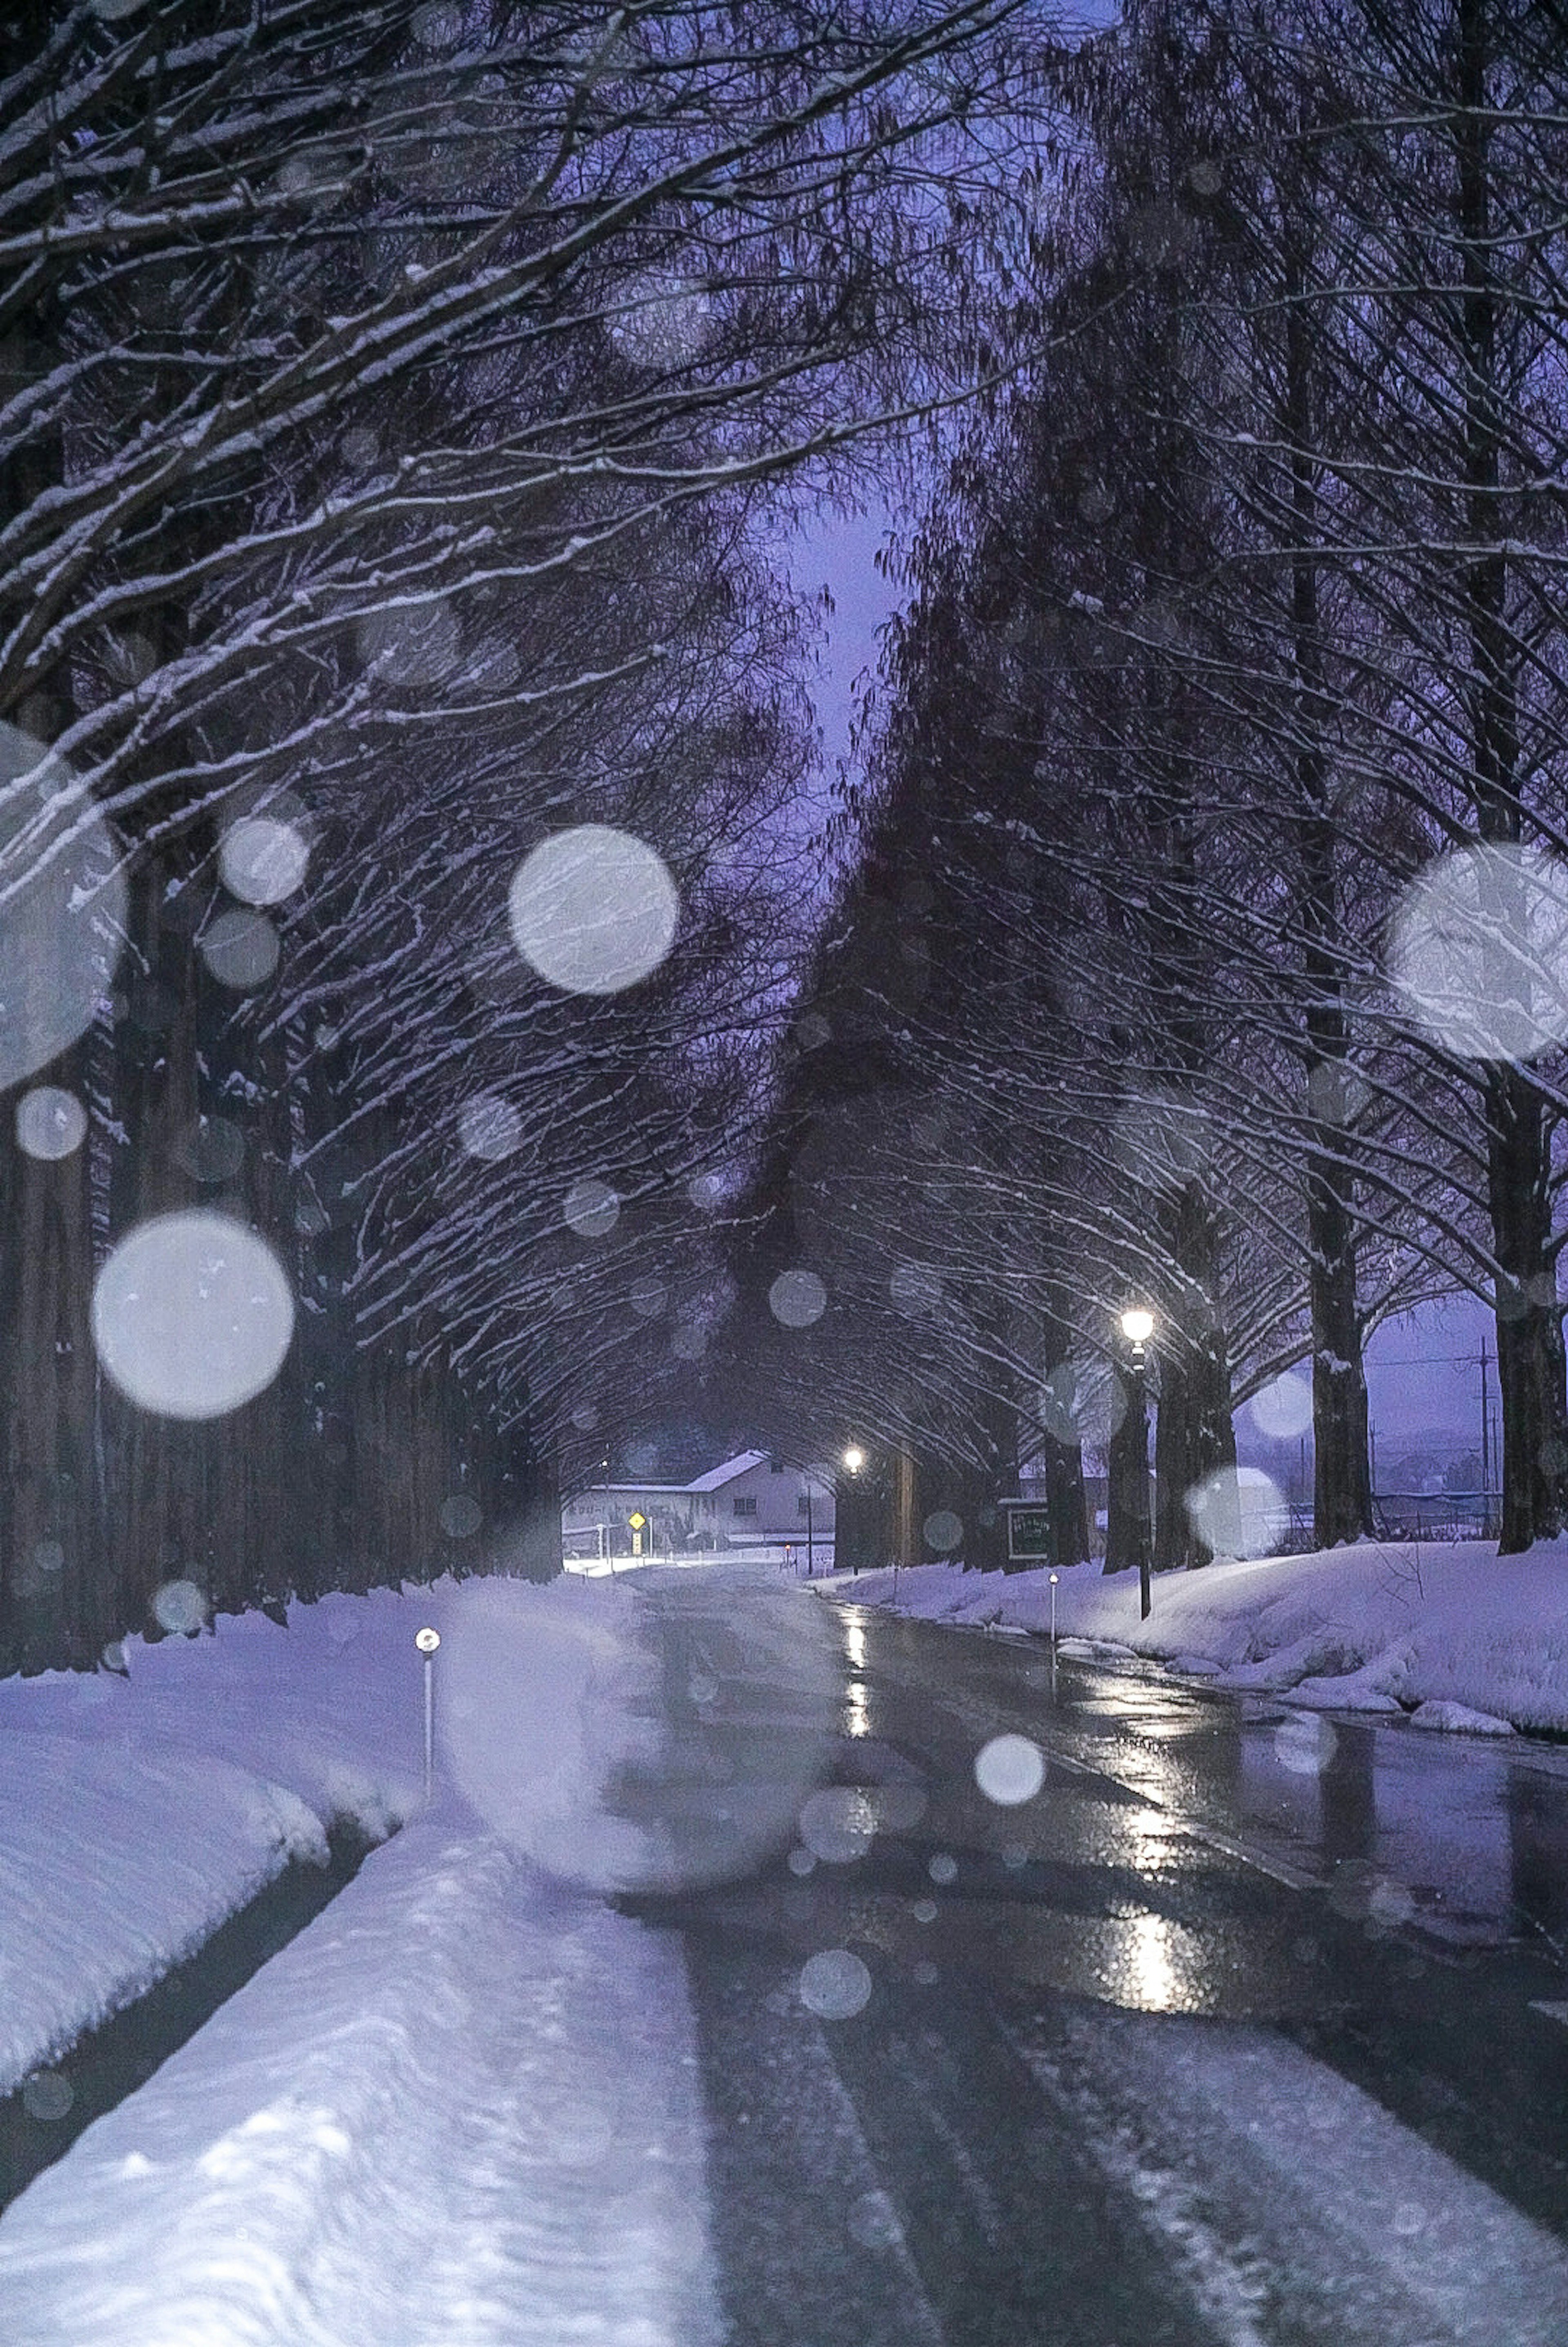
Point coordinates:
[(405, 410), (1205, 945), (394, 402)]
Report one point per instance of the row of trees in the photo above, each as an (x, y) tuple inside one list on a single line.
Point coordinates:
[(1208, 949), (392, 398)]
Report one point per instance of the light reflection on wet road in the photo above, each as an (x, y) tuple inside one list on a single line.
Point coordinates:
[(1385, 1908), (1463, 1840)]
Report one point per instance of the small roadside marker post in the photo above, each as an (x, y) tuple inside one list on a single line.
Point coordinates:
[(427, 1641), (1053, 1637)]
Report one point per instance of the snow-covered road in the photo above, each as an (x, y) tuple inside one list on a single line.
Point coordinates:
[(877, 2090)]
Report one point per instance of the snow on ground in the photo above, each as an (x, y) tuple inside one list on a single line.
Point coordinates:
[(137, 1814), (462, 2103), (113, 1866), (1383, 1626)]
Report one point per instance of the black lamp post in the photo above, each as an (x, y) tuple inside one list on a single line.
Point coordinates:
[(1137, 1327), (854, 1460)]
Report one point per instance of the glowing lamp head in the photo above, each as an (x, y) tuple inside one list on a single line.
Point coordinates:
[(854, 1459), (1137, 1326)]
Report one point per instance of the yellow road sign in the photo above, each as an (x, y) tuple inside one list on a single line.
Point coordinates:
[(636, 1520)]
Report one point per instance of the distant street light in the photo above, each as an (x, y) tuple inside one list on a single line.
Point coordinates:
[(1137, 1326), (854, 1460)]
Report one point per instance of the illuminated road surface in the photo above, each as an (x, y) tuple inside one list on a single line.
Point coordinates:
[(1238, 2029)]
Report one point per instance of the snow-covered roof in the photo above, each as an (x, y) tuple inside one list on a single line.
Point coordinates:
[(714, 1480), (717, 1477), (674, 1490)]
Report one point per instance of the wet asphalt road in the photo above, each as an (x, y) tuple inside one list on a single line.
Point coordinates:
[(1245, 2027)]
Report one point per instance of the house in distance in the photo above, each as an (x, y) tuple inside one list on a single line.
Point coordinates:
[(748, 1502)]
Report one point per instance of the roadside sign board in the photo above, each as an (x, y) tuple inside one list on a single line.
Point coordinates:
[(1028, 1532), (636, 1520)]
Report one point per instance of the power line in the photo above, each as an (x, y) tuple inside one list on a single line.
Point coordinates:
[(1419, 1360)]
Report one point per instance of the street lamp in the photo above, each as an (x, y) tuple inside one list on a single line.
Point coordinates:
[(1137, 1326), (854, 1460)]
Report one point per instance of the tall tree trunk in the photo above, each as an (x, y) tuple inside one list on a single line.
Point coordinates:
[(1342, 1484), (903, 1529), (1060, 1450), (1067, 1505), (1530, 1350), (1172, 1479), (1127, 1478), (983, 1545), (56, 1614), (1195, 1437)]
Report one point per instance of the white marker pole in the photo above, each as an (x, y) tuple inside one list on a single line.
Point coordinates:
[(1053, 1636), (427, 1641)]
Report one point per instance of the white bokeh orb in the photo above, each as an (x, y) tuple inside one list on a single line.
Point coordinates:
[(178, 1606), (838, 1824), (263, 859), (915, 1290), (192, 1314), (1009, 1770), (51, 1123), (210, 1149), (1239, 1512), (1058, 1406), (489, 1128), (62, 907), (559, 1727), (410, 644), (48, 2096), (1478, 951), (592, 1209), (661, 319), (797, 1298), (943, 1531), (438, 26), (1083, 1400), (240, 948), (1305, 1743), (592, 910), (1283, 1409), (835, 1985)]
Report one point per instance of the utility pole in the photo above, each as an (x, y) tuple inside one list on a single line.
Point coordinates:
[(1485, 1450), (1372, 1461)]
